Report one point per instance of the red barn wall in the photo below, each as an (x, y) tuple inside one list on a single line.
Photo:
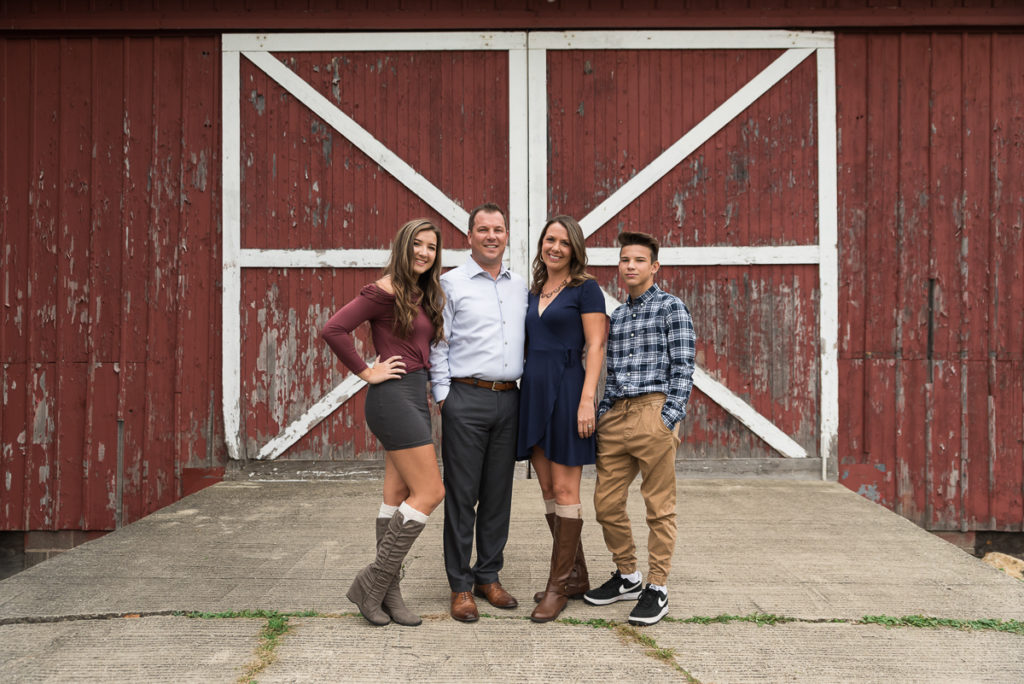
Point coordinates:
[(110, 332), (109, 243), (931, 210)]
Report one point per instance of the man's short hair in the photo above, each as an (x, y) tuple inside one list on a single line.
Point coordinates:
[(487, 207), (626, 238)]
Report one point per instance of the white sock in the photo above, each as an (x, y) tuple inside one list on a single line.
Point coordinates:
[(660, 587), (572, 511), (386, 511), (549, 506), (410, 513), (632, 577)]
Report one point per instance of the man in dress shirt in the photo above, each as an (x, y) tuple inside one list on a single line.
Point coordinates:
[(650, 355), (473, 375)]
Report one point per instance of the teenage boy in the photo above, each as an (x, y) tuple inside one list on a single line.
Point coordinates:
[(650, 373)]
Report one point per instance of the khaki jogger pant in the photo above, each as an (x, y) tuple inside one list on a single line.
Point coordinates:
[(632, 438)]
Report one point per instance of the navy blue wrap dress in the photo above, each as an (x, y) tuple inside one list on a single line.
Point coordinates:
[(552, 383)]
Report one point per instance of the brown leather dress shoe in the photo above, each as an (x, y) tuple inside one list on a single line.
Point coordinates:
[(495, 595), (464, 607)]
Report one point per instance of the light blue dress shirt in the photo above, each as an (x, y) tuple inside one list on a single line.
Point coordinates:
[(484, 328)]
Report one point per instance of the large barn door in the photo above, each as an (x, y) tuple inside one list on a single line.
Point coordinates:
[(331, 142), (723, 145)]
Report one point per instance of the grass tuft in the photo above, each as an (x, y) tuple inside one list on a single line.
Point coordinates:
[(925, 622)]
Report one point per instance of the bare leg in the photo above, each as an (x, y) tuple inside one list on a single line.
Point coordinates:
[(417, 473), (565, 482), (395, 489), (542, 466)]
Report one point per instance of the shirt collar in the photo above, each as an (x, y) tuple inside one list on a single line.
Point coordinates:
[(474, 269), (647, 296)]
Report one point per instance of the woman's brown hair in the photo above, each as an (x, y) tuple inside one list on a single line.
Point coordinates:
[(578, 262), (405, 282)]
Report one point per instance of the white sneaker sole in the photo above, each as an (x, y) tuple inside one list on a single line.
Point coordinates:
[(628, 596), (640, 621)]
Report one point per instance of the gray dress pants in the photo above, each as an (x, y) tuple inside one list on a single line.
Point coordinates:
[(478, 447)]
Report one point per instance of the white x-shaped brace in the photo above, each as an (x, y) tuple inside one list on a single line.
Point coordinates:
[(590, 223)]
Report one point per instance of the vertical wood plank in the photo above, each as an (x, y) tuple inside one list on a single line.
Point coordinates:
[(43, 290), (945, 206), (976, 509), (913, 395), (199, 325), (1006, 434), (853, 133), (14, 430), (944, 438), (100, 456), (882, 206), (16, 136), (977, 295), (1008, 209)]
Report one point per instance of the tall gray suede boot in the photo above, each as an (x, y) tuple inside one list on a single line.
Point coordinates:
[(371, 584), (393, 603)]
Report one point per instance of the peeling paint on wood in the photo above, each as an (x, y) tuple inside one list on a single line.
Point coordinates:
[(111, 256), (931, 267), (110, 243)]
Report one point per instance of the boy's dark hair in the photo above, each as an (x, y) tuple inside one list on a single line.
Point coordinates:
[(626, 238), (488, 207)]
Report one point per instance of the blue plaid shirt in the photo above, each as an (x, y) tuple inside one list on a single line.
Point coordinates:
[(651, 347)]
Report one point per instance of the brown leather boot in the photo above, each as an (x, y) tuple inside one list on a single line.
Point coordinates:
[(579, 580), (563, 557)]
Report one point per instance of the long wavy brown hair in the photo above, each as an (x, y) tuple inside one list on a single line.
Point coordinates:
[(578, 262), (412, 290)]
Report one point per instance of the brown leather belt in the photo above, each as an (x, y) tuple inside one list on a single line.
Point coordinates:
[(494, 385)]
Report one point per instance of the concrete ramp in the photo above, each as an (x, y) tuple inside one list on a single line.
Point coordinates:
[(771, 580)]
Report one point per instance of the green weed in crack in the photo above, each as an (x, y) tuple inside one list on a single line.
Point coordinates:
[(756, 618), (925, 622), (275, 628), (629, 633)]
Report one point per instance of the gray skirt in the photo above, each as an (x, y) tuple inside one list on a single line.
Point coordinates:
[(397, 412)]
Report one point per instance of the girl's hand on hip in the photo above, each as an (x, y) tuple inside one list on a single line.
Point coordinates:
[(381, 371)]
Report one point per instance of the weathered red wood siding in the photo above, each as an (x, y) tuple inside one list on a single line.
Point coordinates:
[(932, 290), (110, 330), (109, 249), (754, 183), (305, 186)]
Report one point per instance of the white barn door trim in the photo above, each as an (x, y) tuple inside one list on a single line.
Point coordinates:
[(257, 49), (798, 47), (527, 83)]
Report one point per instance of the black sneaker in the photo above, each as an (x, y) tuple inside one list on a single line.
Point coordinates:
[(652, 606), (615, 589)]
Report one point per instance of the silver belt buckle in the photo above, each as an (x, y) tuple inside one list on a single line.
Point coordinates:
[(494, 385)]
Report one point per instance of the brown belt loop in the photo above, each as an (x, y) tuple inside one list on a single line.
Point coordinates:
[(493, 385)]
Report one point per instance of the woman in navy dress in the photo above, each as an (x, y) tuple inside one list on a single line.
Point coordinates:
[(565, 323)]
